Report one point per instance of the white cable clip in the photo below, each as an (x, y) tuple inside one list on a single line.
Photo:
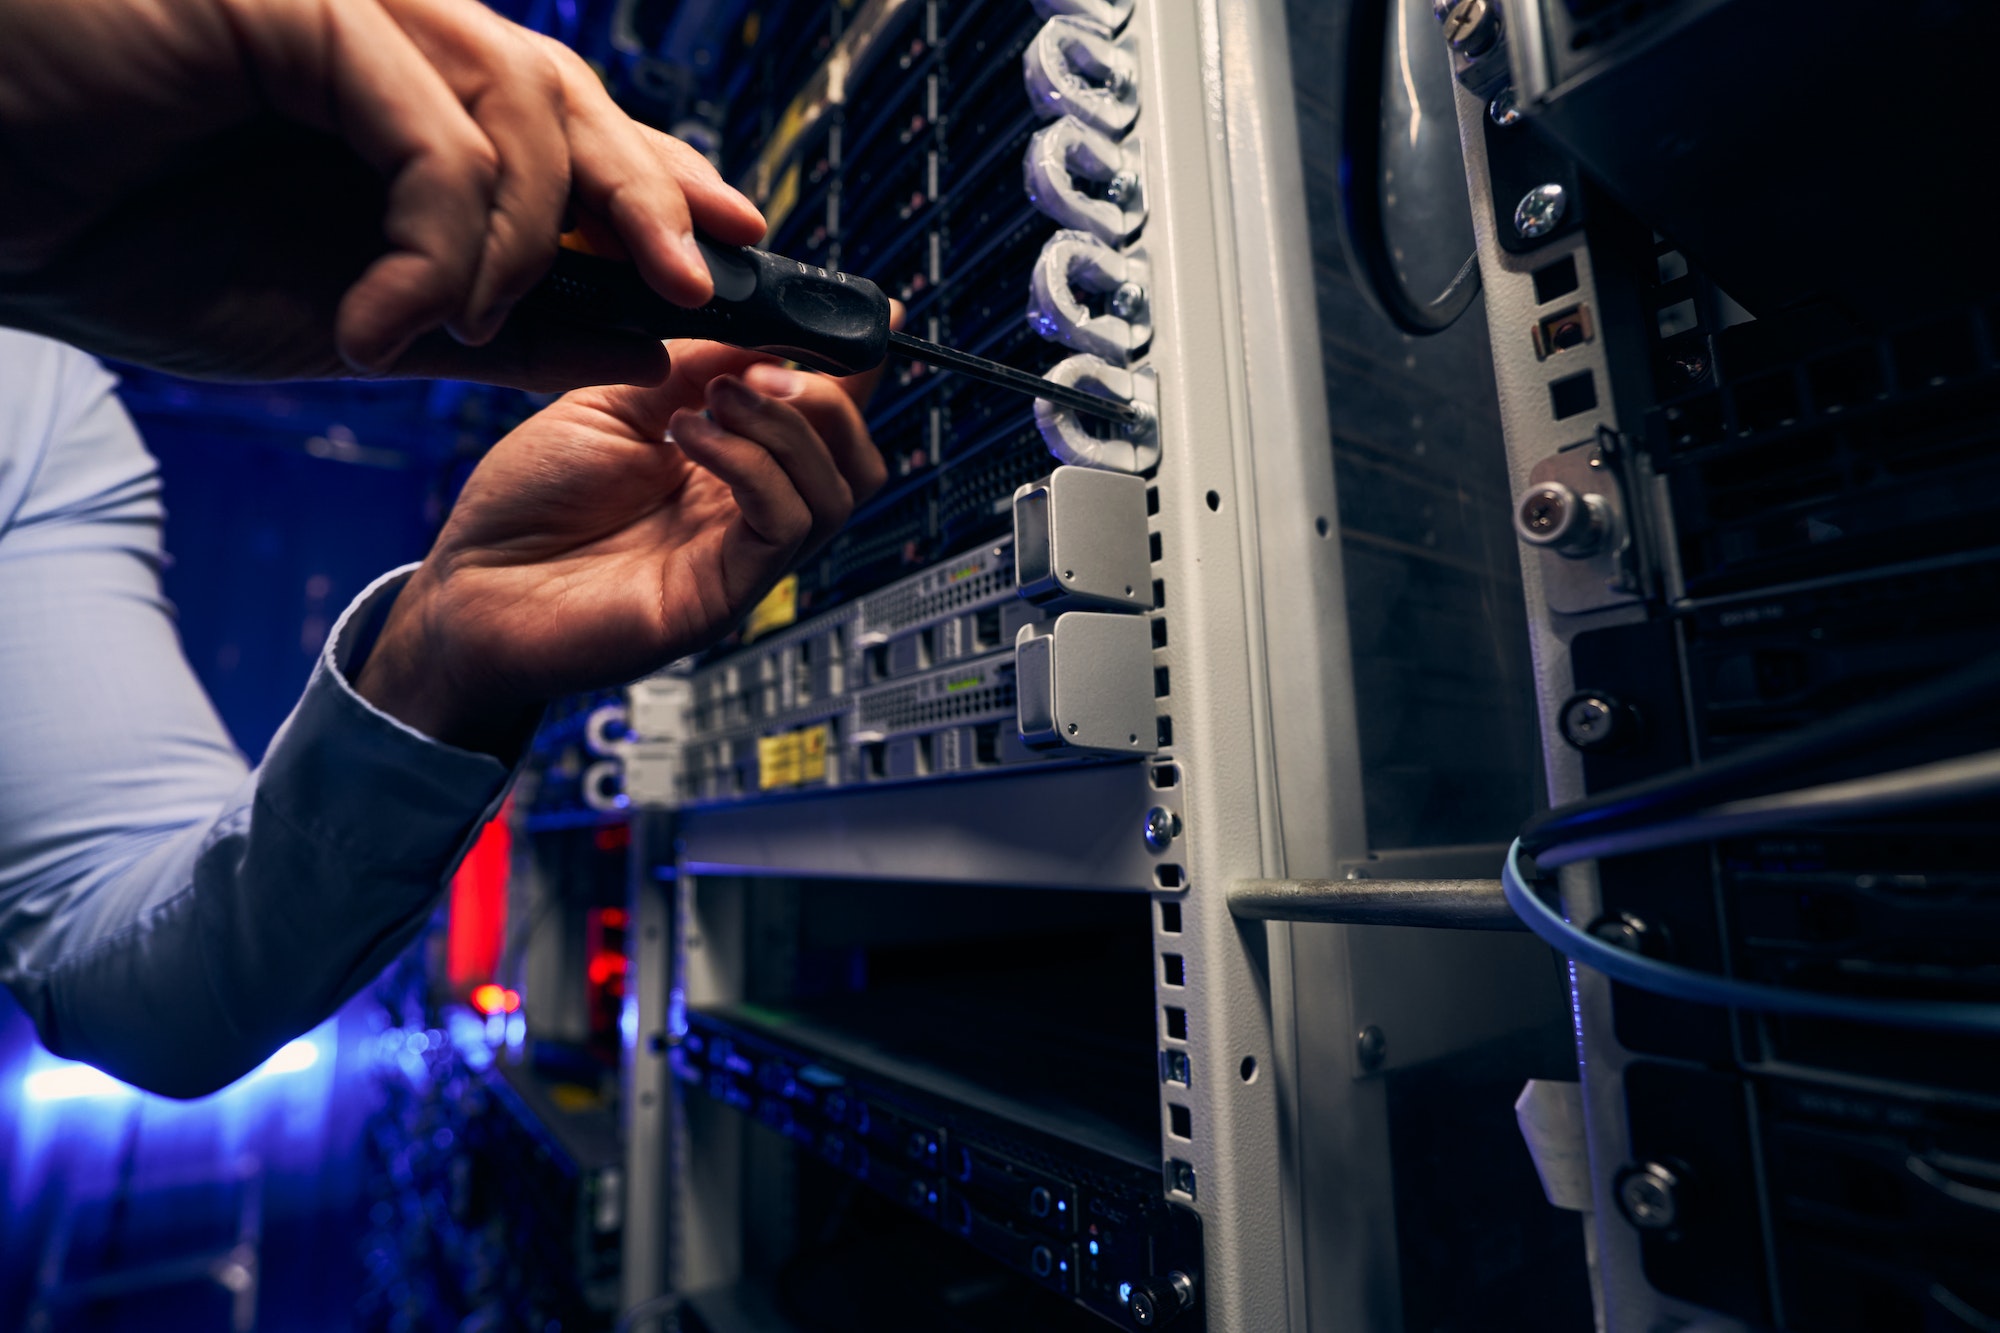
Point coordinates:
[(1107, 14), (1067, 149), (1077, 68), (1073, 261), (1125, 448)]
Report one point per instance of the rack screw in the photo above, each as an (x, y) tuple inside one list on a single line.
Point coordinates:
[(1503, 110), (1595, 722), (1554, 516), (1649, 1196), (1371, 1047), (1634, 934), (1129, 301), (1159, 828), (1122, 188), (1587, 721), (1472, 27), (1539, 211)]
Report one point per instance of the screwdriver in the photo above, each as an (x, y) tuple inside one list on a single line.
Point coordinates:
[(832, 322)]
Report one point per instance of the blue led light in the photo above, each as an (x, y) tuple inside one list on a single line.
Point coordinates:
[(1063, 1265), (1124, 1293), (1062, 1205), (1093, 1247)]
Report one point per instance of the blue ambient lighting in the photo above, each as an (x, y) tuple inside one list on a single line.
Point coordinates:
[(66, 1080)]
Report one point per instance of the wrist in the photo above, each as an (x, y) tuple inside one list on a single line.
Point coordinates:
[(413, 673)]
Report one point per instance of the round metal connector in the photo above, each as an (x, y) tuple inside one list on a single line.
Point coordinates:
[(1553, 516)]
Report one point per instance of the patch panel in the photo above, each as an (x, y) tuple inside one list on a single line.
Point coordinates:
[(1055, 1200)]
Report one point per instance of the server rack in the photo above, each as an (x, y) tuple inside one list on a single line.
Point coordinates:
[(1288, 1066), (1797, 501)]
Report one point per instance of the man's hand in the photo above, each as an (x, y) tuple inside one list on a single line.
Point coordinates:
[(615, 531), (278, 189)]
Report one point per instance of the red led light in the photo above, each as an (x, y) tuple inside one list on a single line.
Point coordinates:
[(493, 998)]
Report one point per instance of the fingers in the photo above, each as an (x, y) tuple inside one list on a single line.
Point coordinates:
[(783, 431), (828, 405), (775, 519), (511, 87), (484, 133), (652, 189), (376, 89)]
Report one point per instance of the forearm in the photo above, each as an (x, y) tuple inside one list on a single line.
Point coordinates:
[(180, 961)]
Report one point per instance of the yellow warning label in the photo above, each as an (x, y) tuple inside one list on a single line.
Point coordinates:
[(778, 761), (779, 608), (812, 754)]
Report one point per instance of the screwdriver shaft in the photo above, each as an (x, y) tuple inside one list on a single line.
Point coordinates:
[(1007, 377)]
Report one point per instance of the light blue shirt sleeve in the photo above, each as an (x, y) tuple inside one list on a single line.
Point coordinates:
[(167, 913)]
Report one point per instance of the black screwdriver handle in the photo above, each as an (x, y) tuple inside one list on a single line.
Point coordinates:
[(833, 322)]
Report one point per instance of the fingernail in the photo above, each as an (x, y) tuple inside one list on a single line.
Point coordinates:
[(734, 391), (776, 381), (692, 249)]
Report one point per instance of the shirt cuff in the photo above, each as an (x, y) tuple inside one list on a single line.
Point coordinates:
[(368, 787)]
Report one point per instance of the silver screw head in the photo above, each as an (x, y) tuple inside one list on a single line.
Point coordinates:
[(1472, 27), (1503, 111), (1556, 518), (1587, 721), (1623, 931), (1128, 301), (1371, 1047), (1547, 513), (1122, 188), (1649, 1196), (1148, 422), (1159, 828), (1540, 210)]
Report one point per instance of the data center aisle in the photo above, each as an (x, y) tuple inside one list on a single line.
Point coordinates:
[(125, 1211)]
